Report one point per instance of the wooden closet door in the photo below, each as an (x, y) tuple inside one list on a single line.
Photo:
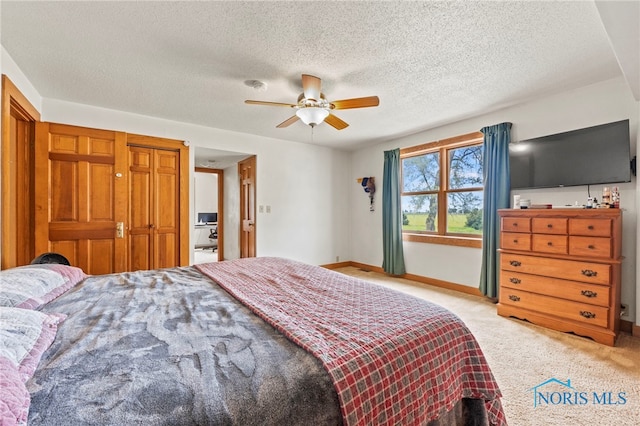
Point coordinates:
[(81, 195), (154, 218)]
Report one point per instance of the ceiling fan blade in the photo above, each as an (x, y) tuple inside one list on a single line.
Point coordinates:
[(250, 102), (311, 86), (334, 121), (288, 122), (369, 101)]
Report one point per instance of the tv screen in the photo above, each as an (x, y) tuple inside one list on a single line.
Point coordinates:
[(590, 156), (207, 217)]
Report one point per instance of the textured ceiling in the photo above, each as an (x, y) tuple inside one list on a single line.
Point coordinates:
[(431, 63)]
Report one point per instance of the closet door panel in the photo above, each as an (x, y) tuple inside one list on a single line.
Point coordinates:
[(141, 193), (79, 198)]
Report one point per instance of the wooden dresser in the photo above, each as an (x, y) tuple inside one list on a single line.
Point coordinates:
[(560, 268)]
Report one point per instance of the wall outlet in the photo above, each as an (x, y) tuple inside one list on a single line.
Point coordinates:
[(624, 310)]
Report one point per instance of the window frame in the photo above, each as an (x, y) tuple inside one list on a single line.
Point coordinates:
[(443, 147)]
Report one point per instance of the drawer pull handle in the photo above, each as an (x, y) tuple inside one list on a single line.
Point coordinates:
[(515, 225), (591, 247), (587, 314), (549, 226), (514, 298), (589, 293), (549, 243), (589, 273), (590, 227), (515, 280), (514, 263), (515, 241)]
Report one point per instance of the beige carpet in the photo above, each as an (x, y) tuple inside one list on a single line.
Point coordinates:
[(523, 356)]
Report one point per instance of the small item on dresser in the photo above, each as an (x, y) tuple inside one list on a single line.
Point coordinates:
[(524, 204), (589, 202), (615, 197), (516, 201), (606, 195)]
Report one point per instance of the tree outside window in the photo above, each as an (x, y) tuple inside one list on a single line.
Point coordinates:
[(442, 188)]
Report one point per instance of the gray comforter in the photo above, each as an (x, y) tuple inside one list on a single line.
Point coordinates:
[(170, 347)]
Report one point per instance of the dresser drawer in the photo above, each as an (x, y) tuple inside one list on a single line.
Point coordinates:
[(570, 290), (515, 241), (515, 224), (590, 272), (590, 246), (549, 225), (550, 243), (583, 313), (590, 227)]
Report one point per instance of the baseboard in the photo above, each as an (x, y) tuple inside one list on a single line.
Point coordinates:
[(626, 326), (418, 278), (337, 265), (636, 330)]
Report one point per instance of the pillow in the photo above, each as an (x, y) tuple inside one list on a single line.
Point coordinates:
[(24, 336), (34, 285), (14, 397)]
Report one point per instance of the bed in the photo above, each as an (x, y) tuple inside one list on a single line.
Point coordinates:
[(260, 341)]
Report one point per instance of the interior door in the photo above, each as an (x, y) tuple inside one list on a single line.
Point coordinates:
[(154, 215), (81, 196), (247, 174), (18, 125)]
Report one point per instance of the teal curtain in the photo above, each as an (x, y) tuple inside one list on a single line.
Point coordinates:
[(496, 196), (393, 262)]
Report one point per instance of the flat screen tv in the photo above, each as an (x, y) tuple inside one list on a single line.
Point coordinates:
[(207, 217), (590, 156)]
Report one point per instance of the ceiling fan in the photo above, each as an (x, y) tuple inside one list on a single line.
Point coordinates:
[(313, 108)]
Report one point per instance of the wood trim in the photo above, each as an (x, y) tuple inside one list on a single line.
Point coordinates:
[(443, 239), (16, 105), (10, 93), (636, 330), (220, 174), (467, 139), (418, 278), (337, 265), (185, 225)]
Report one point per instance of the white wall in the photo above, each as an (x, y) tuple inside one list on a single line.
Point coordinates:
[(596, 104), (205, 187)]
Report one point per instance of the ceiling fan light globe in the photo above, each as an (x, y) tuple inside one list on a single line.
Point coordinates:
[(312, 115)]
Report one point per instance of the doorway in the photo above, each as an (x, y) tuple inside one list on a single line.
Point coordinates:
[(208, 234)]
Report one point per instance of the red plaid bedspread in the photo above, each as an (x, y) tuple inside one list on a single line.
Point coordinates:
[(394, 359)]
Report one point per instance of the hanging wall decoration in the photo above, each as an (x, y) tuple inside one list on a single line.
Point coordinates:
[(368, 183)]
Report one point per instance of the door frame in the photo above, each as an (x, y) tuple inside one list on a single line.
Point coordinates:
[(248, 239), (17, 228), (220, 174)]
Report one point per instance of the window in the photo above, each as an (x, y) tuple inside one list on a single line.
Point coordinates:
[(442, 191)]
